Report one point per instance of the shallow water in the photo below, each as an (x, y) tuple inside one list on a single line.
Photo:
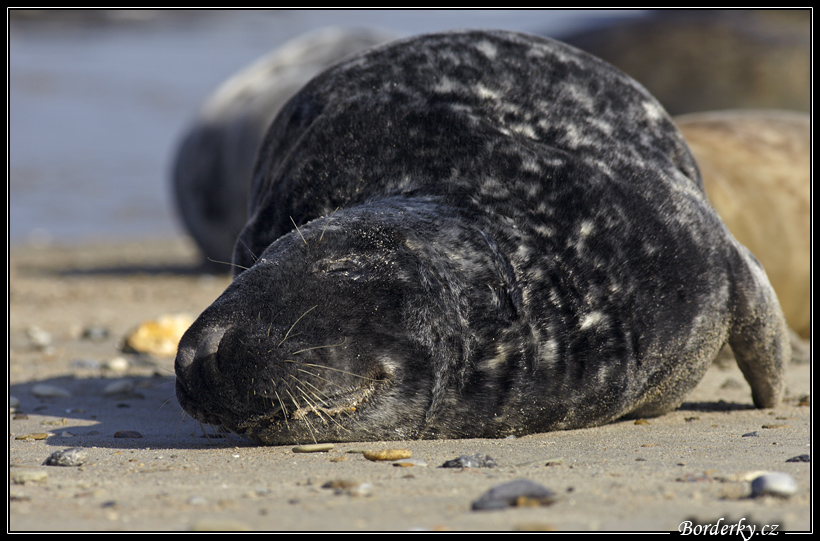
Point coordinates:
[(96, 107)]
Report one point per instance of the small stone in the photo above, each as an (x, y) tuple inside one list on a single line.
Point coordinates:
[(518, 493), (127, 434), (21, 476), (38, 338), (85, 364), (349, 487), (41, 390), (409, 463), (158, 337), (54, 422), (388, 454), (774, 484), (800, 458), (35, 436), (119, 387), (471, 461), (73, 456), (732, 383), (313, 448), (95, 333), (117, 364), (751, 435)]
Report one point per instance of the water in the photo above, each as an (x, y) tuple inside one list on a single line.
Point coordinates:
[(96, 109)]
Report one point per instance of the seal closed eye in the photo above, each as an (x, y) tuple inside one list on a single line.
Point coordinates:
[(497, 234)]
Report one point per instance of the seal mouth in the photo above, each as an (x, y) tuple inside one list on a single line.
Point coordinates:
[(337, 404), (333, 418)]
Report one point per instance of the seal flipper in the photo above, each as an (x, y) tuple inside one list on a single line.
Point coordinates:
[(758, 336)]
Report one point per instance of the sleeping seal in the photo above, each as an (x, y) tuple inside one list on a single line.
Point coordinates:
[(474, 234)]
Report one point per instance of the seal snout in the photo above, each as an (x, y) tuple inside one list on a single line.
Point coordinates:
[(195, 350)]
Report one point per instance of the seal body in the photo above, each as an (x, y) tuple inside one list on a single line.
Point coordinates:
[(474, 234)]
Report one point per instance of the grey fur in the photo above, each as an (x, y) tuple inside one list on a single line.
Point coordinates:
[(497, 234)]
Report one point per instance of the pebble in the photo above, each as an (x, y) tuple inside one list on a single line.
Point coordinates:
[(471, 461), (73, 456), (518, 493), (118, 387), (38, 338), (95, 333), (21, 476), (117, 364), (158, 337), (409, 463), (349, 487), (127, 434), (800, 458), (313, 448), (751, 435), (774, 484), (35, 436), (85, 364), (41, 390), (388, 454)]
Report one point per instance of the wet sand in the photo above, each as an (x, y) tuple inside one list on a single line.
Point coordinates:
[(691, 465)]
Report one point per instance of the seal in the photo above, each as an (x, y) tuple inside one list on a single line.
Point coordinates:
[(756, 168), (474, 234), (211, 174)]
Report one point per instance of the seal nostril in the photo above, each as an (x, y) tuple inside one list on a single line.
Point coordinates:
[(198, 346), (210, 343)]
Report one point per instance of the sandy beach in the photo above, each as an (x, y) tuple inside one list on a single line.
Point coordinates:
[(149, 467)]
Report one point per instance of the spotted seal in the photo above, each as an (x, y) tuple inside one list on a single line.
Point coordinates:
[(474, 234)]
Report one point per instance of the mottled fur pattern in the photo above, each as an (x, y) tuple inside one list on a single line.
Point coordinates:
[(497, 234)]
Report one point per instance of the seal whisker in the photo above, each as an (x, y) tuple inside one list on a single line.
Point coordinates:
[(324, 415), (228, 263), (312, 365), (320, 347), (164, 402), (284, 409), (327, 223), (246, 247), (287, 334), (297, 230), (307, 421), (322, 400)]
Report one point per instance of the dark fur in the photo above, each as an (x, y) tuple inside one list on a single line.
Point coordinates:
[(498, 234)]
